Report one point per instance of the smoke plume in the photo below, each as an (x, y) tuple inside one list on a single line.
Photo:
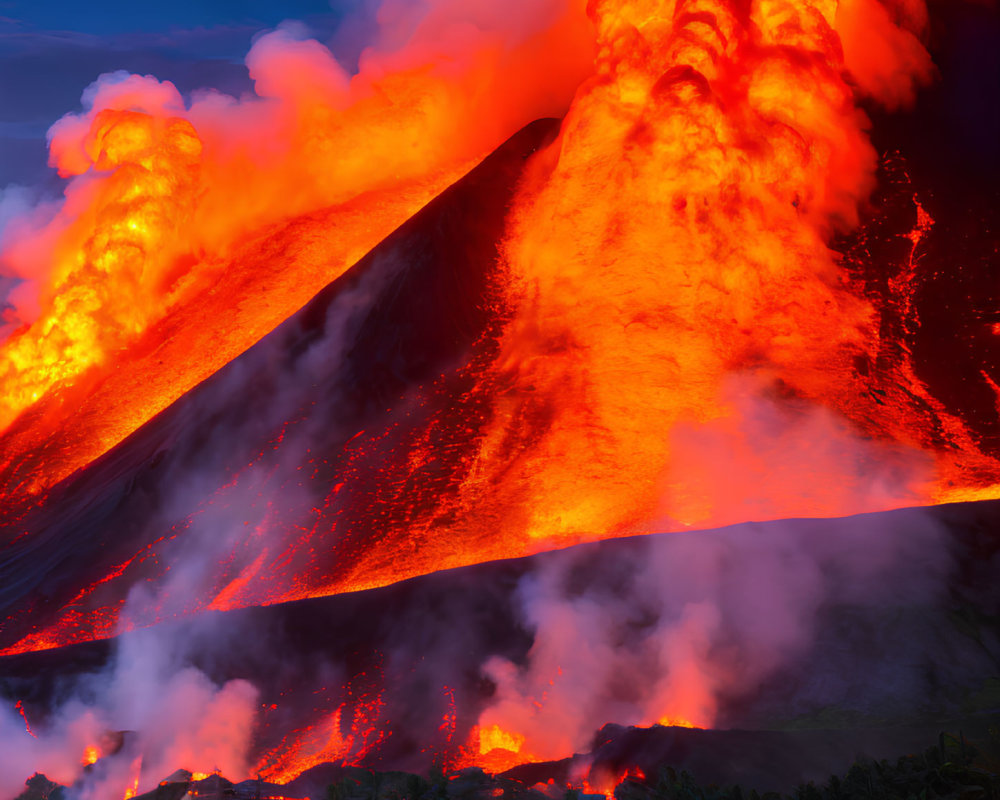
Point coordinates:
[(690, 622), (144, 716)]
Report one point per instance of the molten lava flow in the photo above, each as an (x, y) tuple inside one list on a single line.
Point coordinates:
[(136, 771), (687, 349), (495, 750), (676, 722), (326, 741), (158, 272), (684, 347), (127, 243)]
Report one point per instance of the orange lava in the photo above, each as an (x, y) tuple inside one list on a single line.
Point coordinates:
[(174, 251), (667, 318), (90, 755), (676, 722), (494, 749), (684, 347), (330, 739)]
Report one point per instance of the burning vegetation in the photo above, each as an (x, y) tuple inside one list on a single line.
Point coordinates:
[(661, 313)]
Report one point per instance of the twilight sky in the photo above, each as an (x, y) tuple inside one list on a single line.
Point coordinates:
[(50, 51)]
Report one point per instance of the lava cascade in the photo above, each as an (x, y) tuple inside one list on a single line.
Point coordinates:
[(686, 341), (681, 310)]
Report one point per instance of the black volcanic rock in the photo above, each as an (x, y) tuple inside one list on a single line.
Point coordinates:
[(38, 787), (880, 675), (308, 434)]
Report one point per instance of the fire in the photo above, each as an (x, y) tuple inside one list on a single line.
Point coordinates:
[(198, 776), (147, 196), (676, 722), (495, 749), (603, 785), (674, 323), (136, 768), (493, 737), (327, 740), (90, 755), (157, 251), (684, 345)]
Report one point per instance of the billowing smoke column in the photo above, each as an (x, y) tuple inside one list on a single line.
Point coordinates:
[(674, 632)]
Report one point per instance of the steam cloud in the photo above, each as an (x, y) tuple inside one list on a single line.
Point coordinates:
[(174, 716), (439, 83), (690, 622)]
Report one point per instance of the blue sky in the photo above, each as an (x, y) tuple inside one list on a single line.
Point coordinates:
[(51, 50)]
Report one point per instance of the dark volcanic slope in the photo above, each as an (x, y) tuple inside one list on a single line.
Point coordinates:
[(280, 474), (897, 618)]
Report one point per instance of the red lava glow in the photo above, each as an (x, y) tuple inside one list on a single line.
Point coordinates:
[(347, 735), (90, 755), (684, 350), (191, 230), (495, 749), (27, 725)]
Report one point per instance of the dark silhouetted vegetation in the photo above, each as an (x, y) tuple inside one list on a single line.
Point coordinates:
[(952, 770)]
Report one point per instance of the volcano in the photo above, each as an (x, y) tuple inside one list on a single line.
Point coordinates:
[(642, 421)]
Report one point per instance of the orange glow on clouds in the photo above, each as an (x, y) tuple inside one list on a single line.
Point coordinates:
[(164, 193)]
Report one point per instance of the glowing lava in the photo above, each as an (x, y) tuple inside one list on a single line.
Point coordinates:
[(678, 344), (173, 253), (90, 755)]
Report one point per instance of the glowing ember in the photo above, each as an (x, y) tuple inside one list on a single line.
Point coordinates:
[(24, 716), (676, 722), (90, 755)]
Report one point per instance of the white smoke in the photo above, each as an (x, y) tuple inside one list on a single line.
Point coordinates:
[(686, 621), (175, 716)]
